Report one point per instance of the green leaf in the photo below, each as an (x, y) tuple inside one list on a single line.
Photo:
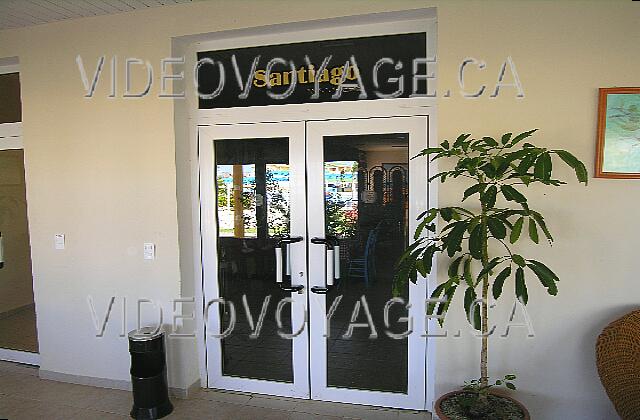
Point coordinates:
[(454, 238), (490, 266), (489, 170), (521, 287), (420, 267), (498, 283), (546, 280), (431, 215), (446, 213), (454, 267), (469, 300), (435, 295), (488, 198), (461, 138), (526, 163), (510, 377), (511, 194), (409, 251), (543, 267), (518, 260), (505, 138), (542, 168), (430, 150), (515, 232), (469, 297), (475, 242), (427, 259), (576, 164), (542, 224), (522, 136), (510, 386), (467, 272), (443, 307), (473, 190), (445, 145), (490, 141), (533, 230), (497, 228)]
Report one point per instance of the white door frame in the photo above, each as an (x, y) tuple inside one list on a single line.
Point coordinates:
[(421, 129), (417, 129), (351, 26), (295, 132)]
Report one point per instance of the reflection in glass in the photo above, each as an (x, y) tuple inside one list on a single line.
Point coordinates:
[(252, 178), (366, 208), (17, 309)]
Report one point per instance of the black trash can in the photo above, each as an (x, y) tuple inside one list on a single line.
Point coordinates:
[(149, 374)]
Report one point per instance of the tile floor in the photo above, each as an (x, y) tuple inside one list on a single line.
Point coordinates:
[(24, 396)]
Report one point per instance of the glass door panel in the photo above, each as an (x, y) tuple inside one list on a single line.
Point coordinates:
[(362, 347), (366, 190), (252, 209), (254, 180)]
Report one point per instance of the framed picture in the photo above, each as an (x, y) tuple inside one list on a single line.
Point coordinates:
[(618, 148)]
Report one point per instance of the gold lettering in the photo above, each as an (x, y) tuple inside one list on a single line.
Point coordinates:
[(351, 73), (324, 77), (259, 79), (312, 74), (301, 72), (336, 75), (276, 79)]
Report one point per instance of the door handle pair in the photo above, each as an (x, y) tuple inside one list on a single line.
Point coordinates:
[(286, 242), (332, 263)]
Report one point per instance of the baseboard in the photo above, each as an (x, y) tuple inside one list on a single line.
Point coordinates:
[(85, 380), (182, 393)]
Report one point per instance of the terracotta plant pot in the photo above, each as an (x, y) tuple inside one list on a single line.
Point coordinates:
[(443, 416)]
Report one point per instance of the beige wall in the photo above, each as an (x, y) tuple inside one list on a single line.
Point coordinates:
[(103, 172)]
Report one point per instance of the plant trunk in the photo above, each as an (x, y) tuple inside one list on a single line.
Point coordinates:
[(484, 315)]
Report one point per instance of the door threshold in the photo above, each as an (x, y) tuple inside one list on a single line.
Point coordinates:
[(18, 356), (306, 405)]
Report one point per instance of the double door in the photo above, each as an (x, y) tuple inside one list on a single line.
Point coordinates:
[(302, 224)]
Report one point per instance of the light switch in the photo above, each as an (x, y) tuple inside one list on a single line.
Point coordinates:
[(58, 241), (149, 251)]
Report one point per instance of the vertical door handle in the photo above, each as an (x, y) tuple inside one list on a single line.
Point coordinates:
[(280, 273), (332, 263)]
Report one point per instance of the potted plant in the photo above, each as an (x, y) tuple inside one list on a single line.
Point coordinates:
[(476, 239)]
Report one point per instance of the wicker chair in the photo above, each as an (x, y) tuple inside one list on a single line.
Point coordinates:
[(618, 360)]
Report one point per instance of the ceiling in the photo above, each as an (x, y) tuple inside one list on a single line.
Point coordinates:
[(20, 13)]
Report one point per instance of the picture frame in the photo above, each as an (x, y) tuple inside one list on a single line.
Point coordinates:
[(618, 143)]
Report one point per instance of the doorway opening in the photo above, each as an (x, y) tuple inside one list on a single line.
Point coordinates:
[(18, 331), (303, 223)]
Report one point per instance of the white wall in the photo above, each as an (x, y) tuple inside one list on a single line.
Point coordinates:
[(103, 172)]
